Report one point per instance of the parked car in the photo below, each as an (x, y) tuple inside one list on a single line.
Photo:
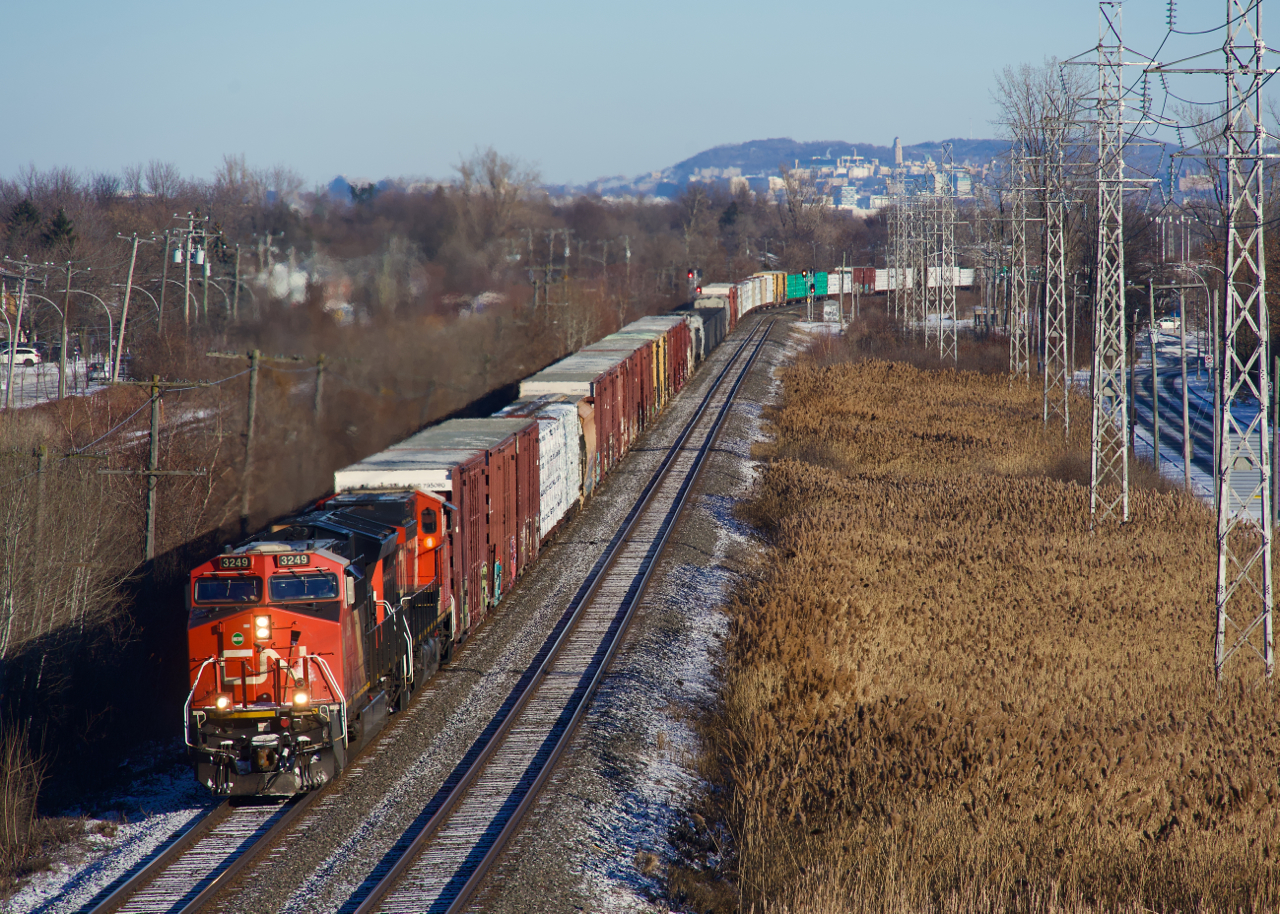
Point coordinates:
[(22, 354), (1168, 323), (98, 372)]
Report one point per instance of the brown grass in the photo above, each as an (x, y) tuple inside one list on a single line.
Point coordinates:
[(943, 692)]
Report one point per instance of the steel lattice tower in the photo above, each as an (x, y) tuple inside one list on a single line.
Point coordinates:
[(915, 256), (1109, 472), (896, 243), (947, 265), (1020, 287), (928, 259), (1057, 373), (1244, 593)]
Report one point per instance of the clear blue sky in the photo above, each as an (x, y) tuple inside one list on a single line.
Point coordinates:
[(579, 90)]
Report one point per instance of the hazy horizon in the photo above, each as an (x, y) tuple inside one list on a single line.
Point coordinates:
[(398, 89)]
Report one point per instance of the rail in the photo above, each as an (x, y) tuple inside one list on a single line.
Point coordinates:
[(452, 888)]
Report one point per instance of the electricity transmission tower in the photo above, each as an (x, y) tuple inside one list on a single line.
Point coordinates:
[(1109, 470), (947, 275), (1244, 591), (918, 247), (1020, 286), (1057, 373), (897, 242)]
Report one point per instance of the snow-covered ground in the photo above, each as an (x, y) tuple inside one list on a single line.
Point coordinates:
[(128, 827), (40, 382), (1200, 395)]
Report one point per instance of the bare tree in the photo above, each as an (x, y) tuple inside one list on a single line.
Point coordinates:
[(490, 190), (162, 179)]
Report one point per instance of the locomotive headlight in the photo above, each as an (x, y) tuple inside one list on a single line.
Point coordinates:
[(301, 699), (262, 627), (222, 701)]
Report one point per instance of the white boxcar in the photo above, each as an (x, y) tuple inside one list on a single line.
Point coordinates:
[(426, 461), (560, 454)]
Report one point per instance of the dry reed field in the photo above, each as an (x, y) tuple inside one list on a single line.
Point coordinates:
[(942, 692)]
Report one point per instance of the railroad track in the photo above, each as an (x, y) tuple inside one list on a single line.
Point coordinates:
[(483, 801), (200, 861)]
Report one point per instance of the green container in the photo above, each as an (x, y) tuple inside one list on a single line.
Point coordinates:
[(820, 284), (795, 286)]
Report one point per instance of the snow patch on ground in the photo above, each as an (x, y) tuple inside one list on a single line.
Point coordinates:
[(653, 695), (143, 816)]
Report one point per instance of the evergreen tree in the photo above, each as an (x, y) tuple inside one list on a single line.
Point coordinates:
[(60, 230)]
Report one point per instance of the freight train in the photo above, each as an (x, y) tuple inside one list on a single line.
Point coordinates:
[(304, 638)]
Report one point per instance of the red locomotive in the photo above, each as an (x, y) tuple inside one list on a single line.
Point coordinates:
[(305, 637)]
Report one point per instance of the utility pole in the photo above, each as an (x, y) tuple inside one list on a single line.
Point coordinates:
[(164, 282), (255, 358), (25, 268), (153, 471), (626, 246), (62, 343), (193, 246), (128, 289), (316, 404), (235, 295)]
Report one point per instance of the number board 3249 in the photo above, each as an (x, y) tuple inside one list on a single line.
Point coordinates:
[(292, 560)]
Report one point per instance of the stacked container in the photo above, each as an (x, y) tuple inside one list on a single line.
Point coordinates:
[(561, 447)]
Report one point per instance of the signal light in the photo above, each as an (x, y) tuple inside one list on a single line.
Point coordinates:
[(698, 290), (691, 274)]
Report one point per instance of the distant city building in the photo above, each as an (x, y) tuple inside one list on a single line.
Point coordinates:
[(1195, 184)]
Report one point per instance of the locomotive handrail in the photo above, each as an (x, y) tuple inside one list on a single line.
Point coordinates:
[(408, 648), (191, 696), (334, 689)]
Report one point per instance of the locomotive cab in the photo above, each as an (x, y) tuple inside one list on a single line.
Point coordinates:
[(267, 710), (303, 641)]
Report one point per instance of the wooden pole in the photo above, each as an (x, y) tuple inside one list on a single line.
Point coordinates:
[(316, 406), (254, 357), (153, 464)]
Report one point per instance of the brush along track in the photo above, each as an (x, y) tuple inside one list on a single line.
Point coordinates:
[(203, 859), (482, 804)]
